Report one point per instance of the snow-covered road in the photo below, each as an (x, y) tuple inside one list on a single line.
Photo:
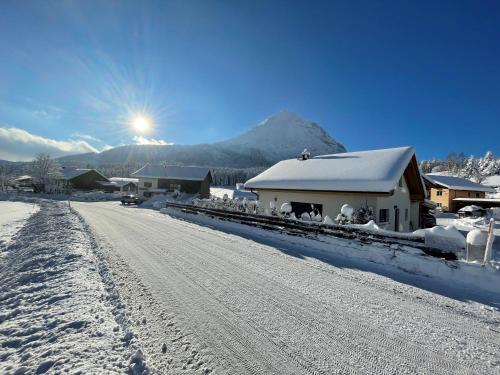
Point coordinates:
[(204, 300)]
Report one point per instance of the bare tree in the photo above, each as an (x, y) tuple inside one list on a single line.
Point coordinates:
[(5, 177), (43, 168)]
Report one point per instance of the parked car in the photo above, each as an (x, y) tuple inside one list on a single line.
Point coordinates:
[(131, 199)]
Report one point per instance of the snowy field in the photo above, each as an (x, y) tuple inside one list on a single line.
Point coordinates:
[(59, 310), (207, 296), (13, 216)]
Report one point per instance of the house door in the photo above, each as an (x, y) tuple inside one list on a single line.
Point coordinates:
[(396, 219)]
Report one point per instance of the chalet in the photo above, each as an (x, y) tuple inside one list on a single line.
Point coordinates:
[(161, 179), (452, 193), (70, 179), (387, 180)]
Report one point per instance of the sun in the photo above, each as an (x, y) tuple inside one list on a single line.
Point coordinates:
[(141, 123)]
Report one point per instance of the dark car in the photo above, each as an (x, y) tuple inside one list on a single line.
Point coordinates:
[(131, 199)]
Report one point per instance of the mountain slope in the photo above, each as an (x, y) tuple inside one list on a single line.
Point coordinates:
[(284, 135), (281, 136)]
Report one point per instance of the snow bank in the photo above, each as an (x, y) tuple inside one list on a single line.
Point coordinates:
[(60, 312), (445, 238), (159, 201)]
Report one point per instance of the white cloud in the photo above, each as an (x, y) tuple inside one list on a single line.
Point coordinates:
[(19, 145), (140, 140), (86, 136)]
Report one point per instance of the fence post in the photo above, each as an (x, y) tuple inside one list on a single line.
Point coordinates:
[(489, 244)]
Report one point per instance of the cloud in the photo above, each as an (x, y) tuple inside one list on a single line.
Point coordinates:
[(86, 136), (48, 113), (140, 140), (19, 145)]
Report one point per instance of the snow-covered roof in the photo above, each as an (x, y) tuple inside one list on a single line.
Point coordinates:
[(471, 208), (478, 200), (456, 183), (122, 181), (173, 172), (70, 173), (492, 181), (22, 178), (362, 171)]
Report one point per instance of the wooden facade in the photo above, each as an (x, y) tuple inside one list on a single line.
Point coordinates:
[(444, 197)]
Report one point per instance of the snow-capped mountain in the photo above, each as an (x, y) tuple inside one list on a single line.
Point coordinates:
[(284, 135), (281, 136)]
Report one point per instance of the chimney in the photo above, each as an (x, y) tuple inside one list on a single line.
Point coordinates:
[(305, 154)]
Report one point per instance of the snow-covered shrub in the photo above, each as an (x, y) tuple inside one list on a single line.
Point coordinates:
[(345, 216), (286, 208), (316, 217), (363, 215), (347, 210), (292, 216), (328, 221), (305, 216)]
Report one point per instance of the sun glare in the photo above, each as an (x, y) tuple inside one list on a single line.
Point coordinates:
[(141, 123)]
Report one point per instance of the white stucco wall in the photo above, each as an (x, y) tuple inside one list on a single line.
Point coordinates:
[(332, 202), (142, 188), (400, 199)]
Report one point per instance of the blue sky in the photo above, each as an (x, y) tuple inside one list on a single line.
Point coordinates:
[(373, 73)]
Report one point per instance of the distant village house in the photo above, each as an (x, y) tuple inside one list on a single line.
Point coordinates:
[(452, 193), (387, 180), (71, 179), (161, 179)]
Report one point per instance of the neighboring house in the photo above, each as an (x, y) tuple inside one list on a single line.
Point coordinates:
[(120, 184), (161, 179), (70, 179), (24, 183), (451, 193), (387, 180)]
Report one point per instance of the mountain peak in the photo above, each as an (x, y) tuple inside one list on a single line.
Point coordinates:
[(284, 135), (283, 117)]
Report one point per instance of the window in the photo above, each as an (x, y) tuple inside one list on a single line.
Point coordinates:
[(406, 214), (477, 195), (148, 184), (383, 215), (440, 205), (439, 193), (298, 208)]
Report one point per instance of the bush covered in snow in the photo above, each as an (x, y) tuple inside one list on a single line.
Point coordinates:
[(237, 205), (363, 215)]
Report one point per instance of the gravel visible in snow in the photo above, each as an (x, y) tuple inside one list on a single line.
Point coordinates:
[(60, 311)]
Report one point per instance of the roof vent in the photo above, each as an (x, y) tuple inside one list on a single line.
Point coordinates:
[(305, 154)]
